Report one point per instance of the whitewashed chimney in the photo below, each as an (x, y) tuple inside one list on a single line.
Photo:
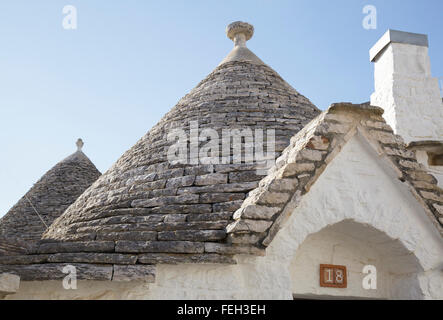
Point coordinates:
[(404, 87)]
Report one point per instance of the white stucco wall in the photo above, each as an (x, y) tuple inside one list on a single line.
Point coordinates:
[(405, 89), (357, 213)]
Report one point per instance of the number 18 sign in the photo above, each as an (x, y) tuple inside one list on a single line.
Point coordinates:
[(333, 276)]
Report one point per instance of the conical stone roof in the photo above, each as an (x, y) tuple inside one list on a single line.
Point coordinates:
[(146, 197), (49, 198)]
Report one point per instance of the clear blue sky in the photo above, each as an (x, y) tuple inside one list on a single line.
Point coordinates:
[(129, 62)]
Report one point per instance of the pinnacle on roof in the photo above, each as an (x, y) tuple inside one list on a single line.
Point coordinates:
[(79, 144), (240, 32)]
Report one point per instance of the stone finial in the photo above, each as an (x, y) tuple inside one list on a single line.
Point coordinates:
[(240, 32), (79, 144)]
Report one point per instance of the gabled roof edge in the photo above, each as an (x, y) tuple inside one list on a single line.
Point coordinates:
[(311, 150)]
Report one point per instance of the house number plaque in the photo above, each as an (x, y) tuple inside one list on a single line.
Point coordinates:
[(333, 276)]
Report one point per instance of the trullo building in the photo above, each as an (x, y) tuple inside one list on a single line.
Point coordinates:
[(350, 208), (48, 198)]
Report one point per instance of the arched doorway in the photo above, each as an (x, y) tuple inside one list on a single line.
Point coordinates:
[(355, 246)]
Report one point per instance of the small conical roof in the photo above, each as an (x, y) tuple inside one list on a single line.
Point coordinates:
[(145, 196), (49, 197)]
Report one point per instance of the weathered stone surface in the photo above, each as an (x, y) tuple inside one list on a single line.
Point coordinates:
[(174, 218), (180, 182), (80, 237), (156, 258), (310, 155), (118, 220), (170, 173), (431, 196), (231, 187), (54, 271), (399, 152), (211, 179), (161, 193), (191, 208), (257, 226), (16, 246), (246, 238), (386, 137), (90, 246), (232, 249), (141, 179), (227, 206), (159, 246), (273, 198), (192, 235), (98, 258), (164, 201), (293, 169), (338, 118), (24, 259), (407, 154), (130, 235), (244, 176), (148, 186), (256, 212), (117, 212), (421, 176), (199, 170), (330, 128), (126, 273), (377, 125), (216, 216), (410, 164), (239, 167), (425, 185), (159, 226), (220, 197), (283, 185)]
